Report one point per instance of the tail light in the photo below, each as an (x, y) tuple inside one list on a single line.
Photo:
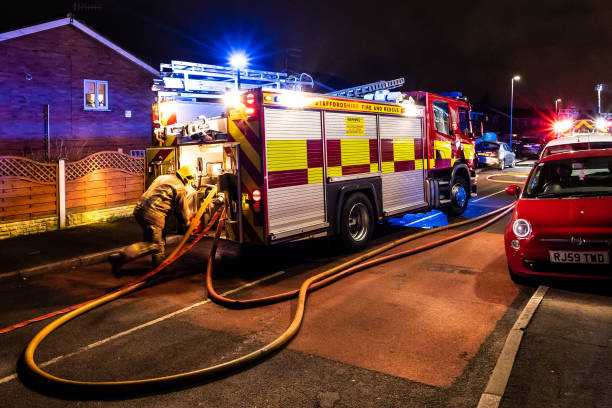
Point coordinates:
[(256, 199), (251, 112)]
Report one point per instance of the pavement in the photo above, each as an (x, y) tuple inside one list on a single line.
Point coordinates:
[(61, 250), (562, 358)]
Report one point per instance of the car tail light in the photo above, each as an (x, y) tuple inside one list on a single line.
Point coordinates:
[(256, 194)]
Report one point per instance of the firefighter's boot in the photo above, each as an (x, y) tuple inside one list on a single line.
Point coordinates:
[(116, 260), (157, 259)]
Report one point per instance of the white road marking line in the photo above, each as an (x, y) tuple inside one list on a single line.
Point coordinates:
[(480, 198), (422, 219), (492, 395), (142, 326)]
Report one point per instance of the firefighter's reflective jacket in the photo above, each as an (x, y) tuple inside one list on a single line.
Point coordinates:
[(167, 193)]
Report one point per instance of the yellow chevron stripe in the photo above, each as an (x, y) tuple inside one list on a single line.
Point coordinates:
[(245, 145), (245, 178)]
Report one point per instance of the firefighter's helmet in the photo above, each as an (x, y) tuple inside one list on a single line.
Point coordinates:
[(186, 173)]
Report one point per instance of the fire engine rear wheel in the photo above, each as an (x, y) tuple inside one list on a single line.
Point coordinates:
[(459, 194), (356, 222)]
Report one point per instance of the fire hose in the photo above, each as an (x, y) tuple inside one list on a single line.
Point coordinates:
[(135, 387), (174, 255)]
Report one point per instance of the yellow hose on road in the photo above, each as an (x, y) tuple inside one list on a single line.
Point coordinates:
[(150, 385)]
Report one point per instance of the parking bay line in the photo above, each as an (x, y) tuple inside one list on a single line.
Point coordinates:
[(142, 326), (493, 393)]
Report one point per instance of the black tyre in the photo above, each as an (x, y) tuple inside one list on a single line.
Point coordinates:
[(356, 222), (521, 280), (459, 194)]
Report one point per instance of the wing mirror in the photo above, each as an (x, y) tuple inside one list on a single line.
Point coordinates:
[(513, 190)]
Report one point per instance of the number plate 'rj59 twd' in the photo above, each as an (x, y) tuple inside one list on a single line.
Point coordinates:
[(581, 257)]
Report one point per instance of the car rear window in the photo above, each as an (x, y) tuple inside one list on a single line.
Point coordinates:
[(484, 146)]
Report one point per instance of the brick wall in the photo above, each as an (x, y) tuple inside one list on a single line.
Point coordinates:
[(58, 61)]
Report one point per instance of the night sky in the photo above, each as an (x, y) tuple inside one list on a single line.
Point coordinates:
[(560, 48)]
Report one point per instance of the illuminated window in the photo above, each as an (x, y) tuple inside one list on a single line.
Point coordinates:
[(441, 117), (95, 95)]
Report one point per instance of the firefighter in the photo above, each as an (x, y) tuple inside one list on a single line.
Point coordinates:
[(166, 195)]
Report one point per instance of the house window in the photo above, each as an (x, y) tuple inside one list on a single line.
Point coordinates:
[(95, 95)]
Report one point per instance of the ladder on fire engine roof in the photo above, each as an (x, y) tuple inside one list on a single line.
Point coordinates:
[(359, 91), (181, 79)]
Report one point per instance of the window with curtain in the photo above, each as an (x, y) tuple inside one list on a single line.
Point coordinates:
[(95, 95)]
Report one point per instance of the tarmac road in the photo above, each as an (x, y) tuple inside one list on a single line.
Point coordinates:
[(420, 331)]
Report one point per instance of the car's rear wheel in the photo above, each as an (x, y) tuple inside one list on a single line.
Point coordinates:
[(513, 163), (502, 164)]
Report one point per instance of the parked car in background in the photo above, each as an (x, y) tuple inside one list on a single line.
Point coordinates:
[(574, 143), (562, 223), (529, 146), (496, 154)]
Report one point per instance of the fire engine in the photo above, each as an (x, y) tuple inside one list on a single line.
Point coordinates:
[(293, 165)]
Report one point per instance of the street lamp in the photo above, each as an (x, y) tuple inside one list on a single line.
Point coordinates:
[(556, 108), (238, 61), (514, 78), (599, 88)]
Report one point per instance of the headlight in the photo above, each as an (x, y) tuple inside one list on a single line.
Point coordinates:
[(521, 228)]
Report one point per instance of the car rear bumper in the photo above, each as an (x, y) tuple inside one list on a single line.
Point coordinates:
[(488, 160)]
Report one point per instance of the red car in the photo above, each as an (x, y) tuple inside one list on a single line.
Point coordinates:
[(562, 223)]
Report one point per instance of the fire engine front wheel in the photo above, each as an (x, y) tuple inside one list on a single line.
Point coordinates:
[(459, 194), (356, 222)]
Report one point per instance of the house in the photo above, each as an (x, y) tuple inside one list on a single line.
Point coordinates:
[(66, 91)]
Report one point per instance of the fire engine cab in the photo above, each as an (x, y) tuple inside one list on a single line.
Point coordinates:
[(293, 165)]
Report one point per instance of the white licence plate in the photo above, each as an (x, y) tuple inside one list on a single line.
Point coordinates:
[(580, 257)]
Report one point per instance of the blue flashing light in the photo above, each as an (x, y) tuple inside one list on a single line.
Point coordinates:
[(238, 60)]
